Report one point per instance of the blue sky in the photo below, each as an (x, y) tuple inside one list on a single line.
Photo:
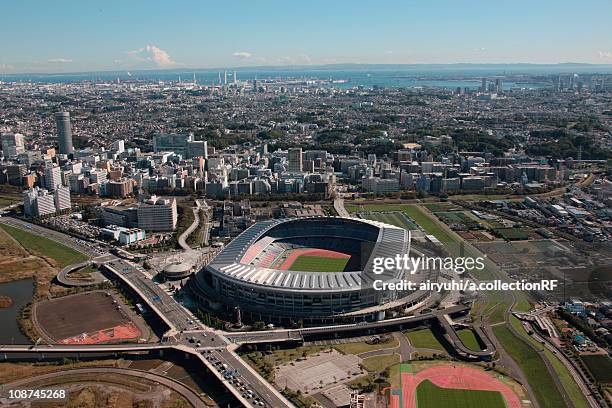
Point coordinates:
[(70, 36)]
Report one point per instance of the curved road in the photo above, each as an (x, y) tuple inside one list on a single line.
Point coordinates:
[(64, 278), (174, 385), (196, 221)]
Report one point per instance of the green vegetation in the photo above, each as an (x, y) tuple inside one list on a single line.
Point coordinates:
[(310, 263), (298, 399), (561, 143), (533, 367), (10, 195), (511, 234), (430, 395), (61, 254), (470, 339), (362, 347), (497, 312), (600, 366), (434, 207), (458, 220), (396, 218), (561, 371), (380, 363), (424, 338)]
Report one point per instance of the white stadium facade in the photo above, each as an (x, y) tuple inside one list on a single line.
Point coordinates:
[(255, 272)]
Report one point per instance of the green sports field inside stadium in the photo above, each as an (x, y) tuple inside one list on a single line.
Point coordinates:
[(429, 395), (311, 263)]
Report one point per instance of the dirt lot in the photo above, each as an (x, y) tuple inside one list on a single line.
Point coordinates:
[(76, 314)]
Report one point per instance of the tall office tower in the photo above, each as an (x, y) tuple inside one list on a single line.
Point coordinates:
[(498, 85), (53, 177), (234, 76), (224, 77), (295, 160), (483, 86), (12, 144), (254, 85), (64, 130)]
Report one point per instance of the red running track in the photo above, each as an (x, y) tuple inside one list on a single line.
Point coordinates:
[(296, 253), (457, 377), (127, 331)]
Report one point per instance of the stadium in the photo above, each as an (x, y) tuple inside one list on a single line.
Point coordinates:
[(315, 269)]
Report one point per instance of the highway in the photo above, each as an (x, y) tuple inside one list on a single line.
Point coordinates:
[(248, 377), (183, 326), (188, 334)]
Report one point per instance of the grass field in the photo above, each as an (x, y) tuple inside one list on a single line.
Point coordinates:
[(470, 339), (561, 371), (533, 367), (309, 263), (511, 234), (362, 347), (397, 218), (429, 395), (600, 366), (62, 255), (433, 207), (424, 338), (379, 363)]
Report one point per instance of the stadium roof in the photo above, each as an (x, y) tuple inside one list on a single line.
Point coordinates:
[(391, 241)]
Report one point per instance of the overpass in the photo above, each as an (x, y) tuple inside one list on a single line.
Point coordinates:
[(172, 331), (63, 276)]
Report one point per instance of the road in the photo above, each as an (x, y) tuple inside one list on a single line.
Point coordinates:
[(187, 332), (174, 385), (182, 324), (248, 376), (576, 374), (182, 240), (339, 207)]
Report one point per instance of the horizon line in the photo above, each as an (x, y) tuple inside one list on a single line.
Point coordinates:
[(312, 66)]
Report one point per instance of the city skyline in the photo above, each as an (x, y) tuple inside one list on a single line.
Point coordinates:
[(194, 35)]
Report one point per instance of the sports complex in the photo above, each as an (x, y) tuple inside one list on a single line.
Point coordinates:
[(315, 269)]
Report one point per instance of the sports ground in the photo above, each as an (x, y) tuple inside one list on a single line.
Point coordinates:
[(313, 260), (85, 318), (450, 386)]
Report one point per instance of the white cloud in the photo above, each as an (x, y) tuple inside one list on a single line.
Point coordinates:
[(59, 60), (605, 54), (300, 59), (154, 55), (242, 55)]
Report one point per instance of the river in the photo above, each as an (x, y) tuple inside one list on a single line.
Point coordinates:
[(21, 292)]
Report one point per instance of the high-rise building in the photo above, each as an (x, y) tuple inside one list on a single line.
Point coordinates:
[(483, 86), (119, 188), (498, 86), (182, 143), (38, 202), (295, 160), (61, 198), (12, 144), (157, 214), (64, 130), (15, 172), (53, 177)]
